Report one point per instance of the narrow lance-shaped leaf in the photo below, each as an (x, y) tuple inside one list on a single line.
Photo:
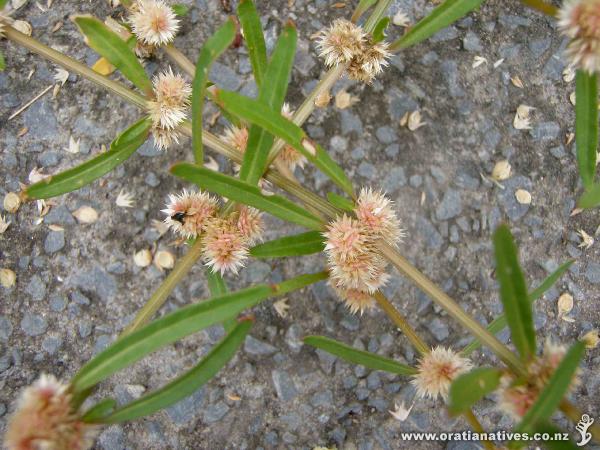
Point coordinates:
[(72, 179), (550, 397), (255, 40), (272, 95), (217, 287), (242, 192), (3, 3), (188, 383), (363, 7), (176, 325), (259, 114), (109, 44), (350, 354), (499, 323), (180, 9), (441, 17), (214, 46), (471, 387), (590, 198), (2, 62), (296, 245), (99, 410), (379, 31), (586, 125), (513, 293)]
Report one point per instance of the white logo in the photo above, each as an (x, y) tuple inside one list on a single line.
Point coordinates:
[(583, 425)]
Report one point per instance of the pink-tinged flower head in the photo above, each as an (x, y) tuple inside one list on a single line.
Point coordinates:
[(515, 399), (225, 247), (154, 22), (356, 300), (288, 155), (44, 419), (341, 42), (344, 238), (188, 213), (374, 212), (369, 63), (171, 98), (236, 137), (250, 224), (580, 21), (437, 370), (365, 271)]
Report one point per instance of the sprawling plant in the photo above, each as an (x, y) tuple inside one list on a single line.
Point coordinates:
[(357, 229)]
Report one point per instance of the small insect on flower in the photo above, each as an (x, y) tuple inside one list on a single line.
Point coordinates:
[(356, 300), (188, 213), (341, 42), (171, 98), (153, 22), (225, 247), (374, 212), (580, 21), (44, 419), (437, 370), (369, 63)]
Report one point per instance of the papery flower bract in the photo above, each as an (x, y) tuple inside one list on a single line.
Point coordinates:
[(171, 98), (237, 137), (288, 155), (369, 63), (341, 42), (356, 300), (374, 212), (250, 223), (164, 138), (344, 238), (225, 247), (153, 22), (44, 419), (188, 213), (580, 21), (365, 271), (437, 370)]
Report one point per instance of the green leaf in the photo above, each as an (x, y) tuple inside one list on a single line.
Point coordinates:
[(217, 287), (469, 388), (363, 7), (550, 397), (180, 9), (188, 383), (72, 179), (242, 192), (272, 95), (441, 17), (109, 44), (213, 47), (178, 324), (2, 62), (498, 324), (350, 354), (590, 198), (3, 4), (297, 245), (255, 40), (273, 122), (340, 202), (586, 125), (379, 31), (100, 410), (513, 293), (555, 434)]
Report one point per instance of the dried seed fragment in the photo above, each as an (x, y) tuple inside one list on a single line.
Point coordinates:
[(3, 224), (164, 260), (591, 339), (7, 278), (143, 258), (501, 170), (401, 19), (522, 120), (516, 81), (323, 99), (86, 214), (523, 196), (414, 121), (586, 240), (565, 304), (344, 100), (281, 307), (22, 26), (478, 60), (11, 202), (569, 73)]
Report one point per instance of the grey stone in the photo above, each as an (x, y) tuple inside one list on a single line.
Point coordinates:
[(545, 131), (51, 344), (225, 77), (392, 150), (386, 135), (33, 324), (351, 123), (55, 241), (512, 21), (592, 273), (49, 159), (41, 122), (539, 46), (471, 42), (255, 347), (59, 215), (36, 288), (214, 413), (395, 179), (57, 303), (446, 34), (326, 360), (6, 328), (439, 329), (112, 438), (373, 381), (102, 342), (187, 409), (284, 385), (96, 280), (367, 170), (293, 338), (451, 76), (85, 328), (151, 179), (506, 196), (415, 181), (450, 206), (433, 239)]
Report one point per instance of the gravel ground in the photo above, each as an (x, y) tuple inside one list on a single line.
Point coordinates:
[(77, 288)]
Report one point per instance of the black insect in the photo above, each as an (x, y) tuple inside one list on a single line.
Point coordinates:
[(178, 216)]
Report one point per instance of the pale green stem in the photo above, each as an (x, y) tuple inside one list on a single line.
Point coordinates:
[(477, 427), (379, 11), (541, 6), (180, 59)]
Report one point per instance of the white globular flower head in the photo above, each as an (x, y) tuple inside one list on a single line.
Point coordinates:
[(164, 138), (369, 63), (153, 22), (355, 299), (374, 211), (580, 21), (171, 98), (436, 371), (45, 419), (237, 137), (341, 42), (225, 247), (188, 213)]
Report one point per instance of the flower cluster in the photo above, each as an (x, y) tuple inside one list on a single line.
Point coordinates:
[(580, 21), (226, 239), (347, 43), (516, 396), (154, 23), (237, 137), (437, 370), (355, 269), (45, 419), (168, 107)]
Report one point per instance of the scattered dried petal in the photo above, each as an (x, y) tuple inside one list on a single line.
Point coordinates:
[(323, 99), (591, 339), (522, 120), (344, 100), (125, 199), (478, 61), (516, 81), (3, 224), (565, 304), (281, 307), (586, 240), (22, 26), (401, 19), (414, 121), (73, 145)]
